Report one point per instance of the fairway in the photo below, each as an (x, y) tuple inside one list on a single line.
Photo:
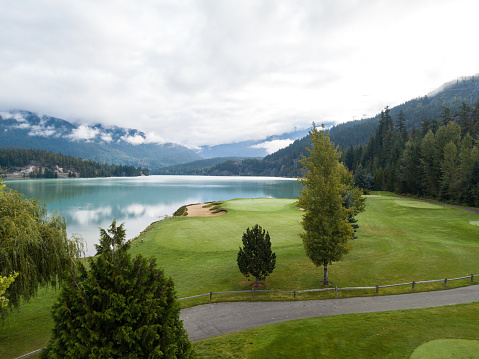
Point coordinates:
[(399, 240)]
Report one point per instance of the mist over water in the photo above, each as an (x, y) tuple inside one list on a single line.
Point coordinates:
[(90, 204)]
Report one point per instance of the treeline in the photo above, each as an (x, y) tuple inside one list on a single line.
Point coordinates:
[(438, 159), (283, 163), (46, 164), (196, 168)]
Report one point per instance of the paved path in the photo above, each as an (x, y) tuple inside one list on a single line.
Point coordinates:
[(211, 320)]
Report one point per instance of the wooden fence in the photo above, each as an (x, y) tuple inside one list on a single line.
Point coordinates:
[(294, 292)]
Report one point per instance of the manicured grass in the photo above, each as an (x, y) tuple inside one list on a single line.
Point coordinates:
[(447, 348), (28, 328), (397, 243), (400, 240), (375, 335)]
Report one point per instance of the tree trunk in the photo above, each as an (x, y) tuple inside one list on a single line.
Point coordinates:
[(257, 282), (325, 282)]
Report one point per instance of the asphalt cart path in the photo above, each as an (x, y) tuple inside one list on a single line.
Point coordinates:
[(211, 320)]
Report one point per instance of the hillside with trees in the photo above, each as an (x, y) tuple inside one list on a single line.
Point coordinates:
[(452, 95), (283, 163), (453, 102), (195, 168), (30, 163), (438, 160)]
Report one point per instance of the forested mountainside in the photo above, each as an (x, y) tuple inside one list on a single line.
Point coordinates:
[(200, 167), (23, 129), (283, 163), (439, 159), (451, 95), (30, 163), (416, 116)]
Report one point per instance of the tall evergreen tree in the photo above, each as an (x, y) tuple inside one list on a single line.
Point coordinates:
[(118, 308), (327, 229), (401, 125), (430, 165), (446, 116)]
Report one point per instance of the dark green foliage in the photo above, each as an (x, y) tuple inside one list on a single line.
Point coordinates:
[(363, 180), (200, 167), (118, 308), (33, 244), (13, 159), (350, 203), (256, 257), (182, 211), (439, 161)]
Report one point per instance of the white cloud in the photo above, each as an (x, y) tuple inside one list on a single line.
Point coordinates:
[(84, 132), (274, 145), (201, 72), (106, 137), (23, 126), (16, 116), (134, 140), (39, 130)]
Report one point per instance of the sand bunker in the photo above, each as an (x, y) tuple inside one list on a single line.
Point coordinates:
[(199, 210)]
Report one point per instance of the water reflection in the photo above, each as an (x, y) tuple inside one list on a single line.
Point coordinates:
[(88, 204)]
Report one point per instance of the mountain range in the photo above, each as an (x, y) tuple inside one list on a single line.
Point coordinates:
[(285, 162), (115, 145)]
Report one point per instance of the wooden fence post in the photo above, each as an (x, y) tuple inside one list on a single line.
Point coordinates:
[(336, 287), (377, 288), (445, 281), (413, 283), (294, 293)]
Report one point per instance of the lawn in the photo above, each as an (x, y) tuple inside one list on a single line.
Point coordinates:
[(429, 333), (399, 240)]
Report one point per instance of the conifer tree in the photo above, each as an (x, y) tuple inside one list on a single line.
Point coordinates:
[(326, 224), (118, 308), (256, 257)]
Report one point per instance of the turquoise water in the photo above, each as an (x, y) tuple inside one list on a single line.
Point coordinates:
[(90, 204)]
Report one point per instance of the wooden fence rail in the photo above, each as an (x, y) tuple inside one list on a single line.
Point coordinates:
[(294, 292)]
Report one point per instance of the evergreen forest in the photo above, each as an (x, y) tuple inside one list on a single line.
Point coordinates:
[(46, 164), (439, 159)]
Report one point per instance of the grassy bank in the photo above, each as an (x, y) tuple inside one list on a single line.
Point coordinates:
[(400, 240)]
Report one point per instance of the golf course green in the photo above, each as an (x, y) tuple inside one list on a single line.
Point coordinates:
[(399, 240)]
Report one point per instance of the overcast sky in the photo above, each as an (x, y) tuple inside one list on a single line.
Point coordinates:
[(210, 72)]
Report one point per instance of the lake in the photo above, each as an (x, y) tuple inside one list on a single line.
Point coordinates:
[(88, 204)]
